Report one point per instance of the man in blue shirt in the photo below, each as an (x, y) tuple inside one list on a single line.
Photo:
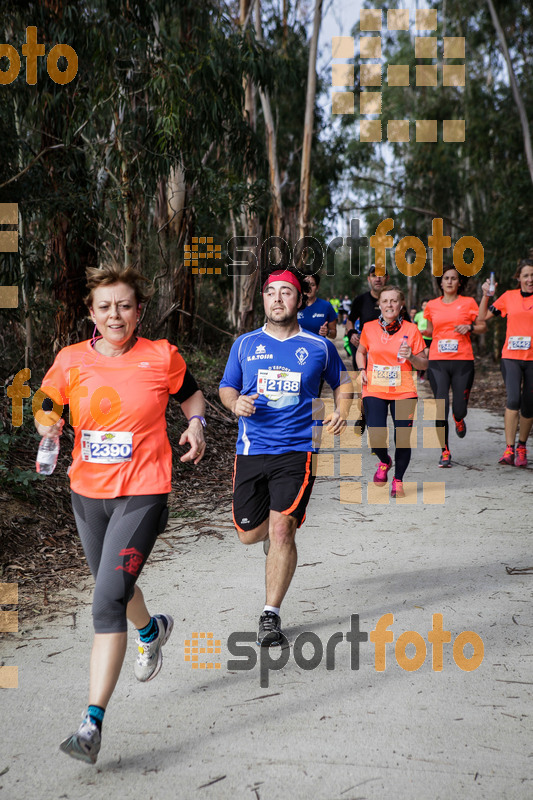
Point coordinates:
[(318, 316), (272, 376)]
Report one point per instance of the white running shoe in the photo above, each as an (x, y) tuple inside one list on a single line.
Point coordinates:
[(84, 744), (150, 656)]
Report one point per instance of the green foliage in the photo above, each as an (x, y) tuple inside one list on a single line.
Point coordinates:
[(14, 479), (481, 187)]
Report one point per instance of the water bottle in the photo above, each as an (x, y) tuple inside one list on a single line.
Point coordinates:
[(492, 287), (47, 455), (401, 359)]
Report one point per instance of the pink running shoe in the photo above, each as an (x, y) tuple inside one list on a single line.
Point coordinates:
[(397, 488), (520, 459), (508, 456), (380, 476)]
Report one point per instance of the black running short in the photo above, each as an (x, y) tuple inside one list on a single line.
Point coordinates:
[(282, 482)]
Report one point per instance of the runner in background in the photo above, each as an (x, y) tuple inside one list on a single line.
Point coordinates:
[(517, 359), (336, 304), (452, 319), (120, 474), (318, 316), (390, 348), (346, 307), (270, 382), (422, 323), (365, 307)]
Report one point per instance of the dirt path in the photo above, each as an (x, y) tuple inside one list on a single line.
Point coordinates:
[(320, 733)]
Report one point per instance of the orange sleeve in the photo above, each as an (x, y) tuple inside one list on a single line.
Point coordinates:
[(501, 304), (473, 311), (418, 343), (363, 339), (55, 381)]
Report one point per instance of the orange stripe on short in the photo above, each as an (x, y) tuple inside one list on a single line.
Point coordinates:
[(241, 530), (303, 487)]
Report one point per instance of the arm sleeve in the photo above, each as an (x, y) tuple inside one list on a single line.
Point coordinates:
[(355, 313), (473, 311), (334, 367), (233, 372), (499, 307), (363, 339), (56, 381), (176, 370), (187, 388), (417, 342)]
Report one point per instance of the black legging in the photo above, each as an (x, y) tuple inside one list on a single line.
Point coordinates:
[(459, 375), (519, 395), (402, 412)]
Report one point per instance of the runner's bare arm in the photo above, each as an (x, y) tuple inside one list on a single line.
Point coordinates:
[(420, 360), (241, 405), (484, 314), (343, 396), (194, 406), (360, 360)]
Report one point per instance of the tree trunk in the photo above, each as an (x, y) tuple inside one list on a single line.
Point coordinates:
[(305, 175), (246, 284), (514, 87), (275, 182)]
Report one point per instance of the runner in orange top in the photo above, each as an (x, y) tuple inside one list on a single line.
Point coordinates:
[(117, 387), (107, 398), (451, 320), (516, 305), (389, 351)]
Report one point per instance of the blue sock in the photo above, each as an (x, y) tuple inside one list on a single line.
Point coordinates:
[(96, 715), (150, 631)]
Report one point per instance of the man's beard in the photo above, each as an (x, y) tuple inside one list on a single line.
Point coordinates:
[(282, 319)]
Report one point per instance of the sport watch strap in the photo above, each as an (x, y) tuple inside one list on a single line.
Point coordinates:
[(197, 416)]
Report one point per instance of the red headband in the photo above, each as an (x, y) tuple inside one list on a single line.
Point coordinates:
[(282, 275)]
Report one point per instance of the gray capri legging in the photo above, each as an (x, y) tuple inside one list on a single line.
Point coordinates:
[(117, 535)]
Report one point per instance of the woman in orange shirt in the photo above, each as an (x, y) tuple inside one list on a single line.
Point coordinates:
[(451, 320), (390, 349), (517, 359), (117, 387)]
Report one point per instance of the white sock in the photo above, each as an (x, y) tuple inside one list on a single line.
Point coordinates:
[(272, 608)]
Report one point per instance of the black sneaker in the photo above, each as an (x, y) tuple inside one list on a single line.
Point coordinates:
[(269, 630)]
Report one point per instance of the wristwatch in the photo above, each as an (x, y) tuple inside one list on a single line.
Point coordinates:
[(197, 416)]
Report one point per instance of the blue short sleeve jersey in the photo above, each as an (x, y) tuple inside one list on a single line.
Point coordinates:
[(313, 317), (286, 374)]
